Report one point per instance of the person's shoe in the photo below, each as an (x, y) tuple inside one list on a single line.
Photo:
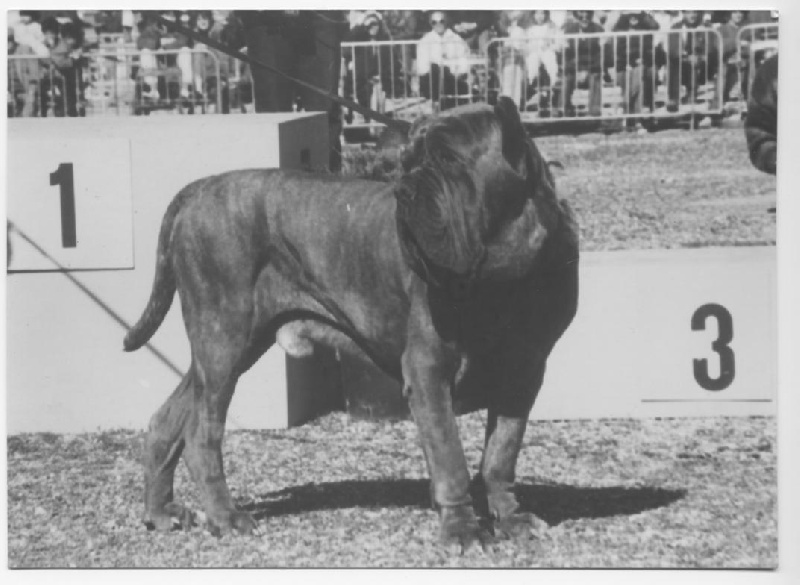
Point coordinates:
[(672, 107)]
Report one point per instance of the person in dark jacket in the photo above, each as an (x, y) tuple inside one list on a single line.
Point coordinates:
[(64, 78), (371, 66), (693, 59), (305, 44), (635, 60), (583, 61), (761, 124)]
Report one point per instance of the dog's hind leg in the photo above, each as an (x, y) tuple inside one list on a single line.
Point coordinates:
[(192, 421), (220, 344), (163, 447)]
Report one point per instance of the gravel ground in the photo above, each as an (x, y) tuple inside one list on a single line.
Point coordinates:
[(340, 492)]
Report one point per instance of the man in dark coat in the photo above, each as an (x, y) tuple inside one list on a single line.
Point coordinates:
[(305, 44), (761, 125)]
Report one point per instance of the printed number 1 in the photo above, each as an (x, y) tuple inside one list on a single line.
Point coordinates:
[(64, 179), (727, 363)]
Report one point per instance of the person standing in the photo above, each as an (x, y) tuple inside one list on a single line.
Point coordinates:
[(693, 59), (634, 59), (442, 64), (66, 57), (761, 124), (729, 30), (304, 44), (583, 61)]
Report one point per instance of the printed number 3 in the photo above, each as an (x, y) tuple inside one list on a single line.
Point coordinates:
[(727, 366), (64, 179)]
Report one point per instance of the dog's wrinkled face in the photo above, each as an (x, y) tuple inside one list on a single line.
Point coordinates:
[(466, 176)]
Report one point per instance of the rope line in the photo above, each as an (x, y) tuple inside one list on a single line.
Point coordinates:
[(347, 103)]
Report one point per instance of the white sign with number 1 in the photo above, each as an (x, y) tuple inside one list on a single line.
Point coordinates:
[(71, 201)]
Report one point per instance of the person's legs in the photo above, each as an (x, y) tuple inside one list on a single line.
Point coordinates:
[(622, 82), (648, 87), (71, 91), (29, 101), (595, 94), (635, 85), (322, 70), (550, 63), (148, 67), (272, 93), (566, 93), (184, 62), (511, 80), (731, 77), (674, 83)]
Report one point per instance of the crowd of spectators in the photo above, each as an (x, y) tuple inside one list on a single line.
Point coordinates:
[(48, 53), (546, 55), (45, 75)]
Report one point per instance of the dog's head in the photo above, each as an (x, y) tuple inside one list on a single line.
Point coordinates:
[(467, 174)]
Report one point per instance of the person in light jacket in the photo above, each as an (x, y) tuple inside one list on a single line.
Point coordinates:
[(443, 64)]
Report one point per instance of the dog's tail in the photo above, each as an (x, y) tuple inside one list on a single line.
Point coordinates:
[(164, 284)]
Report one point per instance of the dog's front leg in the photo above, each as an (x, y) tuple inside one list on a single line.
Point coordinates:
[(518, 378), (428, 371)]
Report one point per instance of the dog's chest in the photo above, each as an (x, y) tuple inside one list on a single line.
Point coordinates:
[(477, 326)]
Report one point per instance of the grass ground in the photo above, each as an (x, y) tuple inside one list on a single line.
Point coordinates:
[(609, 493)]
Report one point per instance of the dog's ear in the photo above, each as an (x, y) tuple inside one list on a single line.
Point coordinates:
[(413, 151), (395, 136), (513, 131)]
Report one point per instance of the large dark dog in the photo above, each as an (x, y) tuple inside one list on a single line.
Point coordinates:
[(457, 280)]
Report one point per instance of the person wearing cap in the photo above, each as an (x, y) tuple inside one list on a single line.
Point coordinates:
[(442, 63), (582, 62), (761, 123)]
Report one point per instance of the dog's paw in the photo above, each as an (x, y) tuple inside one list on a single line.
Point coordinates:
[(460, 531), (172, 516), (239, 523), (521, 525)]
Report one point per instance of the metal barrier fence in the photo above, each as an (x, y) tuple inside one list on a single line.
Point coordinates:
[(126, 81), (140, 82), (36, 88), (597, 76), (629, 75), (755, 43), (407, 79), (633, 74)]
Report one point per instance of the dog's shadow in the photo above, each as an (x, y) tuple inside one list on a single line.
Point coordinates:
[(551, 503)]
